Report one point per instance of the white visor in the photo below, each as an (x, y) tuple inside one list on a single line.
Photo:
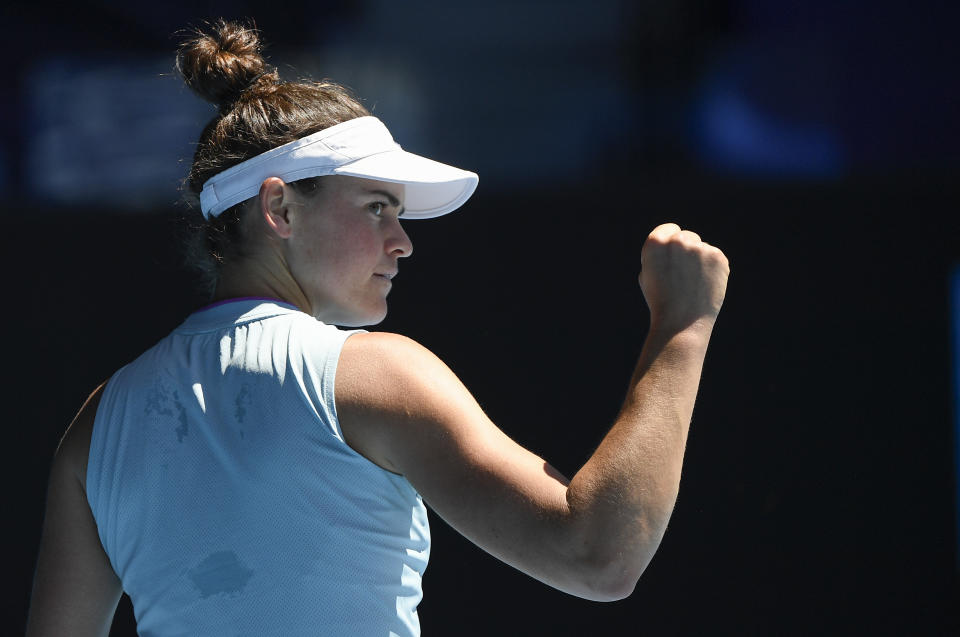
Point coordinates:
[(361, 147)]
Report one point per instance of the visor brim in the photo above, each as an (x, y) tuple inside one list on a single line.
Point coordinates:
[(432, 188)]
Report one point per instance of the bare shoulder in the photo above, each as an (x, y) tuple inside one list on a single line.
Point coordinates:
[(375, 355), (386, 382), (74, 448)]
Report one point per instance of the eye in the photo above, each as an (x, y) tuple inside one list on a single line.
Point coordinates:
[(377, 208)]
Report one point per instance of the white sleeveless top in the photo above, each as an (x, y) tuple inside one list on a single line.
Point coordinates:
[(226, 497)]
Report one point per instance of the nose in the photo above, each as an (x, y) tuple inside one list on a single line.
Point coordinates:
[(399, 244)]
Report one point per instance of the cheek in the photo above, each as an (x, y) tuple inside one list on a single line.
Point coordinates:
[(345, 249)]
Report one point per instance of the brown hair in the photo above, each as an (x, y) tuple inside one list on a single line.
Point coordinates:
[(257, 111)]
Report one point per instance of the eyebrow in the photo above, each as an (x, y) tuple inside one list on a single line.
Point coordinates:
[(391, 198)]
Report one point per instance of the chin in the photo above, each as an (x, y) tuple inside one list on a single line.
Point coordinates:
[(361, 319)]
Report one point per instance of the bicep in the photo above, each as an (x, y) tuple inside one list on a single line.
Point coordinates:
[(75, 590), (404, 409)]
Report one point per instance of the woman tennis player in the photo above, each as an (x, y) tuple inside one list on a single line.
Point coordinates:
[(261, 471)]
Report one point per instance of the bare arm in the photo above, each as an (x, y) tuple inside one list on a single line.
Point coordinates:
[(75, 591), (624, 495), (593, 536), (627, 489)]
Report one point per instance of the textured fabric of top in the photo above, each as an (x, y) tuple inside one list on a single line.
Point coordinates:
[(226, 497)]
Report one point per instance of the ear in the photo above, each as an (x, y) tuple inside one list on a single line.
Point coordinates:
[(274, 206)]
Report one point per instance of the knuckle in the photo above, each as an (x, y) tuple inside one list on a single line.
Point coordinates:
[(664, 231)]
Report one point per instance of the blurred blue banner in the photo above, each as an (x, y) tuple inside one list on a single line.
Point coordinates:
[(114, 134), (955, 336)]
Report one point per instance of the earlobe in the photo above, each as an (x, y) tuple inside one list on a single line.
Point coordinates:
[(274, 206)]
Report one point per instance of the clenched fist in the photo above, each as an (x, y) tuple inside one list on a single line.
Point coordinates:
[(683, 279)]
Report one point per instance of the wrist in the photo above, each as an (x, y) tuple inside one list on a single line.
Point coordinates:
[(695, 332)]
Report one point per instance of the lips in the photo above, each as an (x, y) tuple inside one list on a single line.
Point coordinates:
[(386, 275)]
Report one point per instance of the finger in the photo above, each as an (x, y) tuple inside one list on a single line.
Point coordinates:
[(689, 235), (664, 231)]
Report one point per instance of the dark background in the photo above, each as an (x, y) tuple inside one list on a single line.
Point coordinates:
[(816, 145)]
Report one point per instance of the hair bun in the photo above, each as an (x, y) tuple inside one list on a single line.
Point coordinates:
[(222, 63)]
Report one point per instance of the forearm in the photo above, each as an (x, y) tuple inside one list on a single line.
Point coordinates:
[(623, 496)]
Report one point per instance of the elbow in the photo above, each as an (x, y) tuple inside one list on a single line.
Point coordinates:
[(614, 582), (606, 559), (610, 578), (608, 594), (610, 567), (617, 589)]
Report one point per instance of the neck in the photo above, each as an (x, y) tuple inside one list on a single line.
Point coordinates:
[(253, 277)]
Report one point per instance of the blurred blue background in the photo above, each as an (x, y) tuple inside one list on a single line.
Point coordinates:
[(524, 92), (815, 142)]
